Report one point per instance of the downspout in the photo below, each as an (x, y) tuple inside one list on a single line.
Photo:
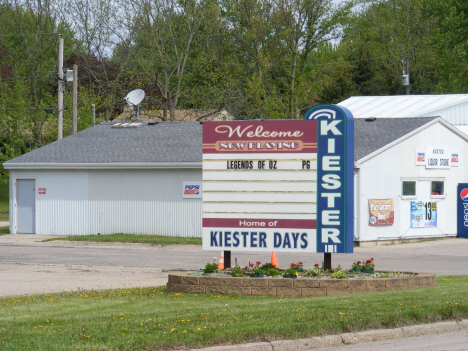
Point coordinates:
[(356, 205)]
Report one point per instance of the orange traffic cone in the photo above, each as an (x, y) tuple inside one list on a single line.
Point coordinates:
[(221, 261), (274, 261)]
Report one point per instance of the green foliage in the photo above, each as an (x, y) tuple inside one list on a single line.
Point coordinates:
[(267, 265), (256, 59), (237, 272), (290, 272), (211, 267), (384, 275), (339, 274), (272, 271), (4, 200), (314, 272)]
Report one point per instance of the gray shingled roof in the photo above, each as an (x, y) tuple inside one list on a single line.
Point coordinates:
[(371, 136), (182, 142), (163, 142)]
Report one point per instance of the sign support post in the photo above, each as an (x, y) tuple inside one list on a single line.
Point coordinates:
[(327, 258), (227, 259)]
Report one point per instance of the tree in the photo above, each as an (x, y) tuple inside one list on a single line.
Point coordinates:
[(388, 33), (301, 27), (167, 33), (450, 40)]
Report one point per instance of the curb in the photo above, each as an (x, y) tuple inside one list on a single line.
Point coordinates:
[(345, 339)]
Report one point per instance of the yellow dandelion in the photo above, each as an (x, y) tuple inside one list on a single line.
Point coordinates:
[(185, 331), (172, 330), (198, 329)]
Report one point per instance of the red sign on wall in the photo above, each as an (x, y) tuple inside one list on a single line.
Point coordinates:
[(42, 191)]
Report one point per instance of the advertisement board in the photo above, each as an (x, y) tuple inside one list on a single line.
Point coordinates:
[(191, 190), (381, 212), (423, 214), (278, 185), (462, 210), (438, 157)]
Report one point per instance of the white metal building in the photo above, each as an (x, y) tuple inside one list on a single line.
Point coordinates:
[(451, 107), (110, 179), (387, 167)]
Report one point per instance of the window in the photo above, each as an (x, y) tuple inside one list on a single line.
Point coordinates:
[(437, 188), (409, 188)]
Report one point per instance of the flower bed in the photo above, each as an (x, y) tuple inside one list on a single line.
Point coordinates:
[(321, 285)]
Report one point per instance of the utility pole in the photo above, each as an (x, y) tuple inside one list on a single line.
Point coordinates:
[(94, 114), (75, 99), (408, 73), (60, 91)]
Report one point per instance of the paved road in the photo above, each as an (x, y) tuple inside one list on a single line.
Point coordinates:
[(449, 256), (452, 341)]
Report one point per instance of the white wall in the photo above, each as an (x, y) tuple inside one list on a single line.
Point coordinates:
[(381, 176), (112, 201)]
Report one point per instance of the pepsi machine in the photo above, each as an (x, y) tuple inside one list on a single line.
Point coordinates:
[(462, 210)]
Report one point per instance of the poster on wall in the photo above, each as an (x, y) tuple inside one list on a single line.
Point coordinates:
[(381, 212), (423, 214)]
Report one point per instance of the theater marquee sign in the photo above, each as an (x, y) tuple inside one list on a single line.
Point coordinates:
[(279, 185)]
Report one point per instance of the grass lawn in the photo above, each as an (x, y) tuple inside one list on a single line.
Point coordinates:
[(4, 230), (132, 238), (155, 319), (4, 201)]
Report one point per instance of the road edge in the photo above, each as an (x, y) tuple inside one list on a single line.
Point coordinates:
[(345, 339)]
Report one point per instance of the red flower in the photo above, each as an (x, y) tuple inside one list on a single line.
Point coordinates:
[(293, 265), (251, 265), (372, 258), (368, 261), (316, 265), (358, 262), (258, 262), (301, 263)]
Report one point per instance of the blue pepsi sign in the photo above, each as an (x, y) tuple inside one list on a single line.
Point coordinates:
[(462, 210), (335, 174)]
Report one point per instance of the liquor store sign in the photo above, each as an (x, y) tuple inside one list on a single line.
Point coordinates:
[(279, 185)]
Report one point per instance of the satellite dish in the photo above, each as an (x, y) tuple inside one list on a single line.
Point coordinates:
[(134, 98)]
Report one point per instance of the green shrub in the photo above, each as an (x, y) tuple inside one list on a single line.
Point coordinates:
[(291, 272), (273, 271), (314, 272), (339, 274), (237, 272), (211, 267), (267, 266)]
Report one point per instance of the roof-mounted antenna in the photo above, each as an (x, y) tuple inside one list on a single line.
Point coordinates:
[(134, 98)]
